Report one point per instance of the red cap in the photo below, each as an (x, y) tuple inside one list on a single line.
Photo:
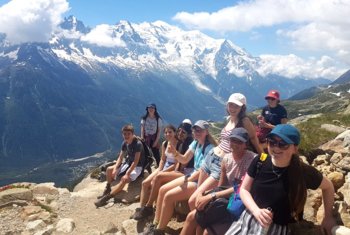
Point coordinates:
[(273, 94)]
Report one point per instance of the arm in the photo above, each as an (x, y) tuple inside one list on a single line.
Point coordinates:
[(328, 200), (142, 130), (263, 216), (134, 164), (118, 163), (284, 120), (223, 178), (158, 133), (248, 125), (162, 159), (170, 168), (202, 201)]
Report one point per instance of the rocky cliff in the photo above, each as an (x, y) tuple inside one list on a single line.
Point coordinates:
[(44, 209)]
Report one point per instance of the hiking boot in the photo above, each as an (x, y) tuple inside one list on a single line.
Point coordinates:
[(153, 230), (103, 200), (106, 191), (143, 213)]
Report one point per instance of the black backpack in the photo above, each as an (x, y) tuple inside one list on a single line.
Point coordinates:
[(148, 157)]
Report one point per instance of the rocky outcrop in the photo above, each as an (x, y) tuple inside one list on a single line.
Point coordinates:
[(43, 209)]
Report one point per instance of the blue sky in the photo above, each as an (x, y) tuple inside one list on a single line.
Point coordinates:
[(307, 36)]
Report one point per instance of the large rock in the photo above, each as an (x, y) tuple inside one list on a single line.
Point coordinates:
[(45, 188), (35, 225), (14, 194), (333, 128), (340, 230), (65, 225), (337, 179)]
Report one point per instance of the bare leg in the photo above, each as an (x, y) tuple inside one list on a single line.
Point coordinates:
[(162, 191), (109, 174), (190, 224), (119, 187), (159, 180), (180, 193), (146, 188)]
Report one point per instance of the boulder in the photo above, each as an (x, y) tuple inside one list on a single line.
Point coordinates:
[(35, 225), (45, 188), (334, 146), (337, 157), (65, 225), (15, 194), (337, 179), (340, 230), (333, 128)]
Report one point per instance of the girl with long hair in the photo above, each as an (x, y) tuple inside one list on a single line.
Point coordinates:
[(274, 190), (182, 188), (151, 124)]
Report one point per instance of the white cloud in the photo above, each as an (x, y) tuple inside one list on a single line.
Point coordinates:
[(293, 66), (103, 35), (315, 25), (31, 20)]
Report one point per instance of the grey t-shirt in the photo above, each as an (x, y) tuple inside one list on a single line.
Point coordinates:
[(150, 125), (131, 149)]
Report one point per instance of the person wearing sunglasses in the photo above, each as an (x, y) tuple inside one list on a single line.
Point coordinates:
[(182, 188), (275, 194), (271, 115)]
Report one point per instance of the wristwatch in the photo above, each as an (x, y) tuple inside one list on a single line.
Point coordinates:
[(213, 196)]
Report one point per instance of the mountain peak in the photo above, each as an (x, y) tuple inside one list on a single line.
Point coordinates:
[(72, 23)]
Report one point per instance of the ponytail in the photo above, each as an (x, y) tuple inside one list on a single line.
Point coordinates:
[(297, 188)]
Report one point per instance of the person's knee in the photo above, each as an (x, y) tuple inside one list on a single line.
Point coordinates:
[(146, 183), (191, 216), (169, 198)]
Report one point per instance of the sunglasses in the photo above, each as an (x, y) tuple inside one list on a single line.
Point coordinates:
[(280, 144)]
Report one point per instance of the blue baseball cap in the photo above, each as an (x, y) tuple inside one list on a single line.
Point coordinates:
[(239, 133), (287, 133), (151, 105)]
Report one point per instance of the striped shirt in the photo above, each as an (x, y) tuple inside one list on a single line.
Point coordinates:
[(225, 140)]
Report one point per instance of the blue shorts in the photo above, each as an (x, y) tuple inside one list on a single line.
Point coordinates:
[(212, 165)]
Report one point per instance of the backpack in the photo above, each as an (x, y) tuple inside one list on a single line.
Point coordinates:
[(148, 157)]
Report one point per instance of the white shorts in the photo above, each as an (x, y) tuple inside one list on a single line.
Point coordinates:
[(134, 174)]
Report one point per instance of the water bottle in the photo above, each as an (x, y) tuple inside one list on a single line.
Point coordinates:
[(265, 230)]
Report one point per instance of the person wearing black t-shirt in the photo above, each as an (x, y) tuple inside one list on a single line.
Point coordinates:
[(129, 170), (271, 115), (274, 190)]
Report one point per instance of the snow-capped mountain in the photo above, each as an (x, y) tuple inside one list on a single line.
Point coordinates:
[(67, 97)]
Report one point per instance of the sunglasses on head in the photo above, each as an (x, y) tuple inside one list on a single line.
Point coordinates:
[(275, 143)]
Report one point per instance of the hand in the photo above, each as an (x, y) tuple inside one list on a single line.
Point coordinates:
[(328, 223), (171, 148), (114, 172), (126, 177), (155, 144), (202, 201), (263, 216)]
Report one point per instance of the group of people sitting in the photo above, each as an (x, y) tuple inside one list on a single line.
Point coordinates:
[(260, 165)]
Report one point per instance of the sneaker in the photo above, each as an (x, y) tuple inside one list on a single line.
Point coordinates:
[(143, 213), (105, 192), (103, 200)]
